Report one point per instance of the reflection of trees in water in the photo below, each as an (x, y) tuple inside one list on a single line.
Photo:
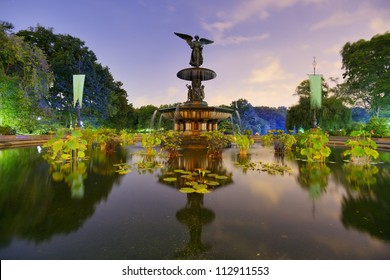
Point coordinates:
[(366, 206), (35, 207), (194, 216)]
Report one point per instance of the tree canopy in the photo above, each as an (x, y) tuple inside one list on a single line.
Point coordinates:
[(366, 67), (104, 101), (25, 79)]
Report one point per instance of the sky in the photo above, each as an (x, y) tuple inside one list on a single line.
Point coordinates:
[(262, 49)]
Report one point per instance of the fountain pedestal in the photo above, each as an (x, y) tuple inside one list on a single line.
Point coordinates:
[(194, 116)]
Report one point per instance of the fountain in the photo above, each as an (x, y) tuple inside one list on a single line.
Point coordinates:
[(194, 116)]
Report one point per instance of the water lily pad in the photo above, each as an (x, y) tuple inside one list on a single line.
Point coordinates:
[(170, 179), (187, 190), (212, 175), (186, 176), (179, 170), (221, 177), (200, 186), (191, 183), (203, 191), (212, 183)]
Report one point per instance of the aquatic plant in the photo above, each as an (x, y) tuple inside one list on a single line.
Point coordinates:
[(66, 147), (127, 138), (313, 145), (279, 139), (362, 148), (216, 142), (270, 168), (171, 142), (243, 142), (150, 141)]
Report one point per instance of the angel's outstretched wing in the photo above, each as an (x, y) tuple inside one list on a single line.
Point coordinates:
[(204, 41), (187, 38)]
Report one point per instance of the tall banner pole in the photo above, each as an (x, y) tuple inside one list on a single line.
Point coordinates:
[(315, 93)]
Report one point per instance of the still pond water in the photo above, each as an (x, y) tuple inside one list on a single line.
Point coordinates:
[(90, 211)]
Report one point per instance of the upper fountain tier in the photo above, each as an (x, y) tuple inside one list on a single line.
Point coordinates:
[(196, 73)]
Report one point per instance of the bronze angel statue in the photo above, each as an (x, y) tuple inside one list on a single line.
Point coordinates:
[(196, 46)]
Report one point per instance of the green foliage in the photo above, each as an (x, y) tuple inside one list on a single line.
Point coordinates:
[(279, 139), (378, 127), (127, 138), (243, 142), (105, 102), (25, 78), (66, 146), (216, 142), (366, 71), (171, 142), (333, 115), (150, 141), (362, 148), (313, 145), (107, 139)]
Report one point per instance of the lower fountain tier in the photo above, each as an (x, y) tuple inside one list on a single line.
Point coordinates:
[(192, 119)]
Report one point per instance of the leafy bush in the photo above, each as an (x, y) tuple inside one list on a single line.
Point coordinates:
[(378, 127)]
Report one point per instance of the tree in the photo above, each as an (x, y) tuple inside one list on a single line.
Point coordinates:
[(144, 116), (248, 117), (104, 101), (367, 72), (25, 78)]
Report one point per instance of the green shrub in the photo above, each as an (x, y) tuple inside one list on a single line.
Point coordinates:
[(378, 127)]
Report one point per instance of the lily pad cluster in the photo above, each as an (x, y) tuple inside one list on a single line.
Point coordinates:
[(124, 168), (198, 181), (270, 168)]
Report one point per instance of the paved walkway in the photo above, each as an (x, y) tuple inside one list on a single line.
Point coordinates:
[(14, 141), (383, 143)]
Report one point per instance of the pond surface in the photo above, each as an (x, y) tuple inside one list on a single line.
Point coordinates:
[(90, 211)]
